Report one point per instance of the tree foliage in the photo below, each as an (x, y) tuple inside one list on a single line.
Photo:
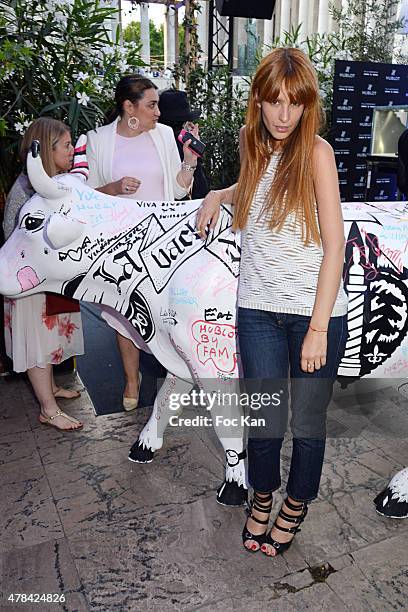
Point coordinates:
[(223, 109), (369, 28), (132, 34), (57, 58)]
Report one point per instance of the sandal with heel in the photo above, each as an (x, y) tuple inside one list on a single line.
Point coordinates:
[(130, 403), (260, 504), (295, 520)]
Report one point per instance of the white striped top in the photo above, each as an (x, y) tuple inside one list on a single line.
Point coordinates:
[(278, 271)]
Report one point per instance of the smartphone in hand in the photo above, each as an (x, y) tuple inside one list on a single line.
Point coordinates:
[(197, 147)]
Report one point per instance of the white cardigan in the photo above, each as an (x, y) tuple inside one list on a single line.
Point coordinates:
[(101, 145)]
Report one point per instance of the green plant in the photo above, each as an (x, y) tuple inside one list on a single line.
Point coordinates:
[(223, 106), (189, 47), (132, 34), (369, 28), (223, 110), (57, 58)]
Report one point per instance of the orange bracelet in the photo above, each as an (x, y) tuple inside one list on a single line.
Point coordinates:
[(321, 331)]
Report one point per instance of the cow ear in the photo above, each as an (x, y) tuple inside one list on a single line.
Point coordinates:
[(61, 231)]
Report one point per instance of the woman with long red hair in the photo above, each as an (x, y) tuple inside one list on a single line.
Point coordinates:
[(291, 305)]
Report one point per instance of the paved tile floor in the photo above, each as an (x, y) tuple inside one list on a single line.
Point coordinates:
[(77, 518)]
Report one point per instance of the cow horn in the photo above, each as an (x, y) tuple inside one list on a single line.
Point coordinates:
[(61, 231), (43, 184)]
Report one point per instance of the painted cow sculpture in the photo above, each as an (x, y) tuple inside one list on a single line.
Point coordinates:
[(174, 293)]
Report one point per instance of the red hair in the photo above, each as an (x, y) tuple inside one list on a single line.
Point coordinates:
[(292, 190)]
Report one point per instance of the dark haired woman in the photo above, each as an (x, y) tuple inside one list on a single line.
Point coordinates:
[(135, 157), (34, 340), (291, 304), (175, 112)]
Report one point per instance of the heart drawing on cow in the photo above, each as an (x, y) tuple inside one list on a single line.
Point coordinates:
[(172, 293)]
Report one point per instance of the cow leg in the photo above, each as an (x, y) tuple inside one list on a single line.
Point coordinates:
[(392, 502), (226, 417), (151, 437)]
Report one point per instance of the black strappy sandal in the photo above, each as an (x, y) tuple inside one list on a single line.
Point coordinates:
[(282, 547), (261, 504)]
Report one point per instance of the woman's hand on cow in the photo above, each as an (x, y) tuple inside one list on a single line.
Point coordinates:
[(126, 185), (208, 213)]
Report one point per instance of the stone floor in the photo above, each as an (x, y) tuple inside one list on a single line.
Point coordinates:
[(77, 518)]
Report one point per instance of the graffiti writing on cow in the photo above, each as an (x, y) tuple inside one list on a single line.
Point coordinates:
[(216, 342), (147, 252), (374, 276)]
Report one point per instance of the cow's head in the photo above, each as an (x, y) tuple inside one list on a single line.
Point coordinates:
[(29, 259)]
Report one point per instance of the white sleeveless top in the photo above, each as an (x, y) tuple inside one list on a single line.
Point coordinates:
[(278, 271)]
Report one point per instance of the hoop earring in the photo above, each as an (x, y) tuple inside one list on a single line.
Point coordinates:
[(133, 123)]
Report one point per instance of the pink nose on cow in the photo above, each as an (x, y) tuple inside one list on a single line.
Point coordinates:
[(27, 278)]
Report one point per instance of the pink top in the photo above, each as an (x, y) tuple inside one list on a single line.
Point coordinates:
[(138, 157)]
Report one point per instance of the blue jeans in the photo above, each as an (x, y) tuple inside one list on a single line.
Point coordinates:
[(270, 346)]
